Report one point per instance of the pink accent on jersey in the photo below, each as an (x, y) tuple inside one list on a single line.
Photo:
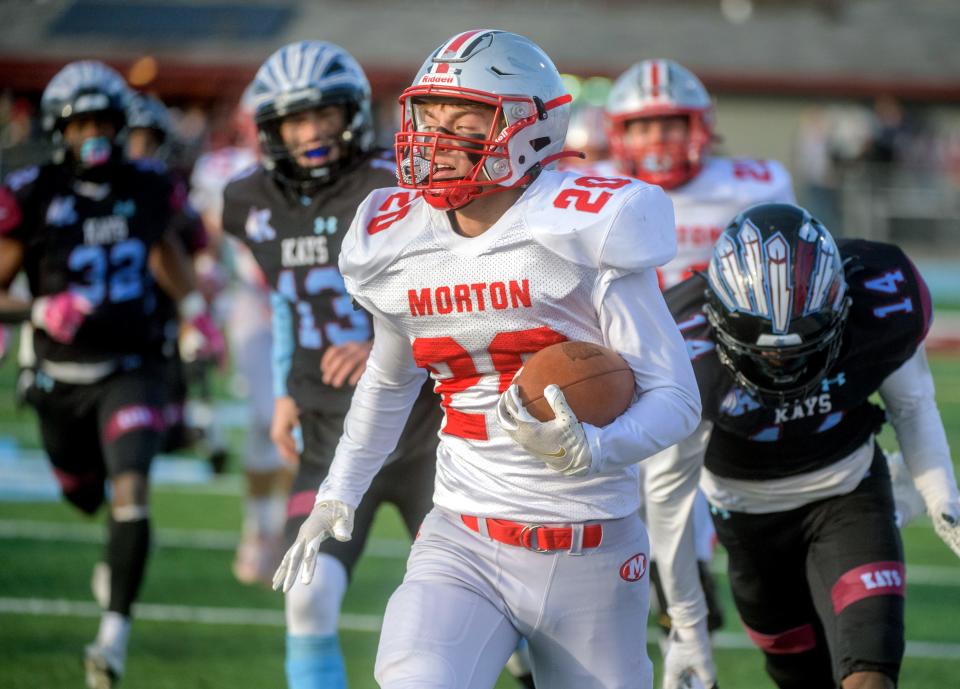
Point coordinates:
[(134, 417), (301, 503), (10, 214), (885, 578), (63, 315), (72, 482), (797, 640)]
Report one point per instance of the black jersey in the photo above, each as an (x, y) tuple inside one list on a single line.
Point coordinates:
[(296, 242), (889, 318), (93, 238)]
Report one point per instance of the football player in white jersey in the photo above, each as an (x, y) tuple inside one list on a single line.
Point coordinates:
[(660, 123), (483, 256), (246, 304)]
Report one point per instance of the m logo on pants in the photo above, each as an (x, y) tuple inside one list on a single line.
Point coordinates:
[(634, 568)]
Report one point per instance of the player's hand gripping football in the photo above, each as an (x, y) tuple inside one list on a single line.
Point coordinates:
[(688, 662), (328, 518), (61, 314), (561, 443)]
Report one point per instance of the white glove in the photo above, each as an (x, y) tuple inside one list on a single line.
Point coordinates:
[(688, 662), (560, 443), (946, 522), (328, 518)]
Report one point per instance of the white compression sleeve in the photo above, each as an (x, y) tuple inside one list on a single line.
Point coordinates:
[(636, 323), (378, 412), (909, 397)]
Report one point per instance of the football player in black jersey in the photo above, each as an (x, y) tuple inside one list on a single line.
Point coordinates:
[(91, 231), (790, 333), (312, 109)]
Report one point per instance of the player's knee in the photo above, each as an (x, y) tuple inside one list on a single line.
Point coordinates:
[(867, 680), (315, 608), (130, 488), (414, 669)]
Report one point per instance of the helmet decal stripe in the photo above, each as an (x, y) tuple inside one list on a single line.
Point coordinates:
[(806, 259), (655, 78), (778, 254), (823, 276), (732, 276), (753, 260)]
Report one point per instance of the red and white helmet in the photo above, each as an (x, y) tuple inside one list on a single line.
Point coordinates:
[(660, 88), (495, 68)]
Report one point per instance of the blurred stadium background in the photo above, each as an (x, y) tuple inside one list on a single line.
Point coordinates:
[(859, 98)]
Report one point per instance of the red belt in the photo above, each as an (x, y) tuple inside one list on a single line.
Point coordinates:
[(535, 537)]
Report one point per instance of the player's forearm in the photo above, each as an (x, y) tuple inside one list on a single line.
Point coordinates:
[(636, 323), (172, 267), (371, 431), (281, 351), (14, 309), (378, 413), (670, 488), (909, 397)]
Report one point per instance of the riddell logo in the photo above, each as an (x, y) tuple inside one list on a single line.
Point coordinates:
[(448, 79), (634, 568)]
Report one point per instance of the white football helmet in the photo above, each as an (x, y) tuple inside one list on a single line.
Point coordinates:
[(587, 132), (660, 88), (503, 70)]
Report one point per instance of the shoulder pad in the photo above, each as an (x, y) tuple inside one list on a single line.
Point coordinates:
[(889, 295), (605, 222), (750, 180), (385, 222)]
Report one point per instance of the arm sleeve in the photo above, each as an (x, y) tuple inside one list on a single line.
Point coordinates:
[(670, 480), (281, 323), (378, 412), (908, 395), (635, 322)]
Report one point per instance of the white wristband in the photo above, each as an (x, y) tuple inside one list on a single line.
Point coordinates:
[(192, 306), (38, 311)]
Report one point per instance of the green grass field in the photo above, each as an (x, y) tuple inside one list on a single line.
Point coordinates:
[(199, 629)]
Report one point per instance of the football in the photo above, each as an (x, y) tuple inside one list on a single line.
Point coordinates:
[(596, 382)]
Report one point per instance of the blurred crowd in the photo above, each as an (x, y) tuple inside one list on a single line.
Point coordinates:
[(871, 148)]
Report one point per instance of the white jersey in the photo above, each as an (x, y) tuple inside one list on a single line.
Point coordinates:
[(705, 205), (572, 259)]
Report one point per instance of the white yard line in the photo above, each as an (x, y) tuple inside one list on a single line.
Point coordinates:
[(254, 617), (212, 539), (194, 539)]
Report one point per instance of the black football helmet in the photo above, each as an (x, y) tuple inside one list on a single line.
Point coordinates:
[(777, 301), (301, 76), (81, 89)]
